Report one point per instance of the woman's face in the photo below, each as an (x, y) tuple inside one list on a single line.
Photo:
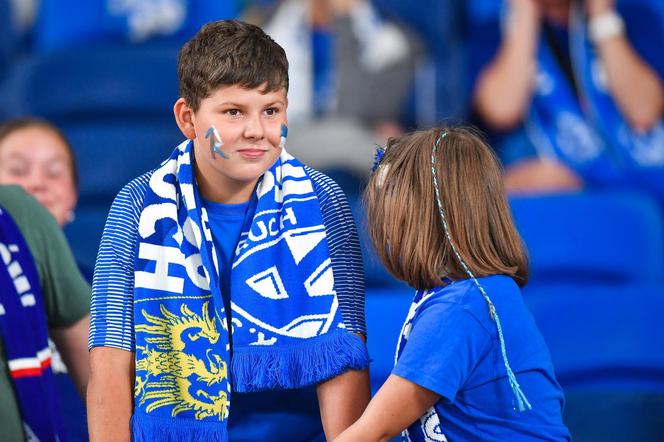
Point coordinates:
[(36, 159)]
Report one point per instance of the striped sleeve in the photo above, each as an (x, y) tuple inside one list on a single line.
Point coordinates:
[(112, 309), (345, 252)]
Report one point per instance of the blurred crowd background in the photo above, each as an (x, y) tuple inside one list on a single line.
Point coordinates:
[(585, 174)]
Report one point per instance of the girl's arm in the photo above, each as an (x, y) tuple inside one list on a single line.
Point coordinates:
[(504, 88), (634, 85), (110, 394), (395, 407)]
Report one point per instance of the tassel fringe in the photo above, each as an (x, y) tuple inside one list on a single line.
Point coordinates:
[(314, 360), (148, 428)]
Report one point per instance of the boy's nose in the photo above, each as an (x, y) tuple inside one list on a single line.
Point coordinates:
[(254, 128)]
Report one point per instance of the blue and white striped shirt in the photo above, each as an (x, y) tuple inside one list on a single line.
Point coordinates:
[(112, 309)]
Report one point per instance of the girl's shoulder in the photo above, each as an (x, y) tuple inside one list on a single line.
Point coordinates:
[(466, 293)]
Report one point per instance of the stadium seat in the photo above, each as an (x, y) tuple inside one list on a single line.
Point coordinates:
[(597, 296), (386, 310), (592, 237)]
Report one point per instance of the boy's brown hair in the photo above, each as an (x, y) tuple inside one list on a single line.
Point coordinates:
[(227, 53), (405, 224)]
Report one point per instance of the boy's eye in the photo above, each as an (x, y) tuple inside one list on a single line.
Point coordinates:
[(232, 112), (271, 111)]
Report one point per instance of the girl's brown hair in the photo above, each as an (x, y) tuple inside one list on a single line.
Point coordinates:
[(405, 224)]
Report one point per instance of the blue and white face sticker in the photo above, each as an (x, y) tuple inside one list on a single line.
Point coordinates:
[(215, 142), (284, 135)]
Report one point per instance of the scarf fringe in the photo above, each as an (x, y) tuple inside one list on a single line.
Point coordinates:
[(148, 428), (307, 363)]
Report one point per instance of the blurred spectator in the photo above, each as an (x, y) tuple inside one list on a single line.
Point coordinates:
[(42, 292), (351, 72), (572, 91), (35, 155)]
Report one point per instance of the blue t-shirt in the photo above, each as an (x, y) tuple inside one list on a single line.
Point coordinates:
[(226, 221), (453, 350)]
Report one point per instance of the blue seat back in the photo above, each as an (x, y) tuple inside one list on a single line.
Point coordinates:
[(592, 237), (386, 310)]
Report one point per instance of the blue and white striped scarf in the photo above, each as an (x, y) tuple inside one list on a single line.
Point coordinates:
[(287, 330)]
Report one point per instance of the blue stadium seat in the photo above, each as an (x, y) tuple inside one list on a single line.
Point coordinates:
[(597, 296), (592, 237), (602, 335), (606, 343), (386, 310)]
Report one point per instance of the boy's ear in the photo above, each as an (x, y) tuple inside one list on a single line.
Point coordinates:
[(184, 117)]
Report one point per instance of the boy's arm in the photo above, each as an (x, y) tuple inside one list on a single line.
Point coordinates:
[(398, 404), (110, 394), (342, 400)]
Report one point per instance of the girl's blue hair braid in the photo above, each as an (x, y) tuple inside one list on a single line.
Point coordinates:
[(521, 399)]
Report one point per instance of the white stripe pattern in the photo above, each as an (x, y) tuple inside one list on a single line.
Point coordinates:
[(23, 363), (112, 310)]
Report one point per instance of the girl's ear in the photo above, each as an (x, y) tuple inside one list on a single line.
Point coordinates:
[(184, 118)]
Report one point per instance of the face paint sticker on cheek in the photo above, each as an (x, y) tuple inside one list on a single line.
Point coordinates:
[(284, 135), (215, 142)]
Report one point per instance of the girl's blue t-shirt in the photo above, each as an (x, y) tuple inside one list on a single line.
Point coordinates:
[(453, 350)]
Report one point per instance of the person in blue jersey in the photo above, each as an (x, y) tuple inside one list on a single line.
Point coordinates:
[(471, 363), (572, 91), (228, 295)]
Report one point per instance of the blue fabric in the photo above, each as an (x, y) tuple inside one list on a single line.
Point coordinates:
[(226, 222), (287, 331), (449, 345), (23, 326), (322, 44)]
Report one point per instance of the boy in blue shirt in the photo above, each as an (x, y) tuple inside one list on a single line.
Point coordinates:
[(230, 269)]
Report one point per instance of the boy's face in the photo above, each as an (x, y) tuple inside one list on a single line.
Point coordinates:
[(249, 124)]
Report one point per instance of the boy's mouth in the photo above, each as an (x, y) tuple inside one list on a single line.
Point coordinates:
[(252, 153)]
